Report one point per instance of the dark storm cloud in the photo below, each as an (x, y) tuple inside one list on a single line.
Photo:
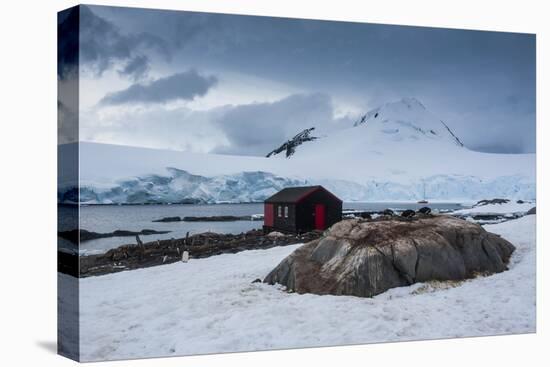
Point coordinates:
[(511, 129), (186, 86), (465, 77), (258, 128), (67, 43), (136, 68), (102, 43)]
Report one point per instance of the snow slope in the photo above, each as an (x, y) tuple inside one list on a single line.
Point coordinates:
[(396, 152), (408, 119), (511, 207), (210, 305), (402, 141)]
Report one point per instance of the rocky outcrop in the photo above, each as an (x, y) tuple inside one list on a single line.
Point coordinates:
[(289, 147), (213, 218), (168, 220), (492, 201), (221, 218), (364, 258), (532, 211)]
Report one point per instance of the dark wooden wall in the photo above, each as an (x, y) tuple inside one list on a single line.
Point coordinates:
[(305, 210), (286, 224)]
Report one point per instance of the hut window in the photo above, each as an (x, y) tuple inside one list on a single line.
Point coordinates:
[(286, 211), (279, 211)]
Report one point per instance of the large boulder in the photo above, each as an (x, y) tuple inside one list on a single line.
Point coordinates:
[(364, 258)]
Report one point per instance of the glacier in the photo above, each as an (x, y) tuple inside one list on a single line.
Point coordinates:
[(399, 151), (179, 186)]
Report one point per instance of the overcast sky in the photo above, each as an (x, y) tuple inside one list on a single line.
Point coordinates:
[(242, 85)]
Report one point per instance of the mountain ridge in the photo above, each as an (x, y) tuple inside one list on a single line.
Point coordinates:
[(391, 153), (406, 119), (289, 147)]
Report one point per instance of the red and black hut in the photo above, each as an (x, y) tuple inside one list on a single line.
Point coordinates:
[(301, 209)]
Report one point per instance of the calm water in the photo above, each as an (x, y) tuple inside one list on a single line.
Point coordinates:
[(109, 218)]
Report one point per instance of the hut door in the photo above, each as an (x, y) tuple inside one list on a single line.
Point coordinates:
[(320, 216), (268, 215)]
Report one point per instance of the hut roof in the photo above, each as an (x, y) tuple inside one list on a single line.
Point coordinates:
[(295, 194)]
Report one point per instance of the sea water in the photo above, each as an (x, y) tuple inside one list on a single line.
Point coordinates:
[(108, 218)]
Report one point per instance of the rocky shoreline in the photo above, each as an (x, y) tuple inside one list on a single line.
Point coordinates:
[(73, 235), (143, 255), (214, 218)]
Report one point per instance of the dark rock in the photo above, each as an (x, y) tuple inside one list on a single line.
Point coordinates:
[(216, 218), (532, 211), (520, 201), (168, 219), (425, 210), (408, 213), (388, 212), (364, 259), (257, 280), (492, 201), (68, 263), (365, 215), (289, 147)]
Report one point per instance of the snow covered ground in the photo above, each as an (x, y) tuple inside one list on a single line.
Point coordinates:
[(511, 207), (210, 305)]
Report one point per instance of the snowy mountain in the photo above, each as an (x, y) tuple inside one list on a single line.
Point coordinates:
[(394, 152), (403, 142), (403, 126), (408, 118), (404, 121)]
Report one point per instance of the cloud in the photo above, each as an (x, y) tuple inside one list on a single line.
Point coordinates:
[(136, 68), (95, 44), (258, 128), (155, 127), (102, 43), (67, 43), (186, 86), (247, 129), (492, 123), (481, 83)]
